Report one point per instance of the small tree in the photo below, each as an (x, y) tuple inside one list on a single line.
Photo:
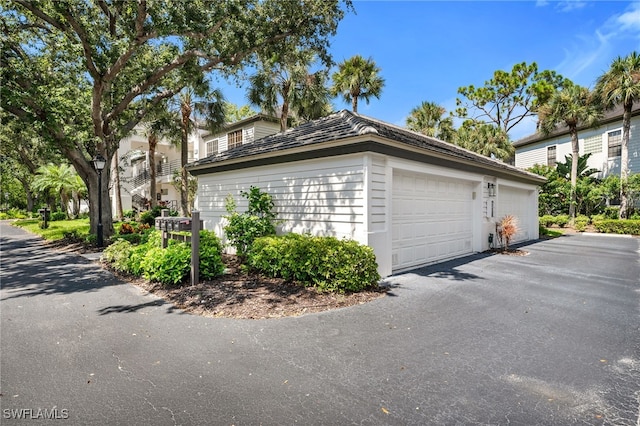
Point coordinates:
[(258, 221)]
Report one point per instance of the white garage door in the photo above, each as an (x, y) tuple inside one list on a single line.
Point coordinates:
[(515, 201), (432, 219)]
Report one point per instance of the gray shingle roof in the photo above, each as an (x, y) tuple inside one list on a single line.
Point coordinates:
[(344, 125), (609, 116)]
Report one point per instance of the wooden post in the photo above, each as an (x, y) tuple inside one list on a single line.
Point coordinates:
[(195, 247), (165, 231)]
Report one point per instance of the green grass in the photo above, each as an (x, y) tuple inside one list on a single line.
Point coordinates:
[(56, 229), (550, 232)]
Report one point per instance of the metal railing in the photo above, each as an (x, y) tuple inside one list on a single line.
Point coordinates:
[(162, 170)]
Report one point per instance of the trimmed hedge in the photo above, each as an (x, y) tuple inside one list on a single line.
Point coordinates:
[(616, 226), (547, 220), (168, 266), (580, 223), (327, 263)]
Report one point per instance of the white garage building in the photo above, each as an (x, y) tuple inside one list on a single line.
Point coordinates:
[(415, 200)]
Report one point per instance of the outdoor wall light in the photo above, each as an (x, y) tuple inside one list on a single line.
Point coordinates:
[(491, 187), (98, 163)]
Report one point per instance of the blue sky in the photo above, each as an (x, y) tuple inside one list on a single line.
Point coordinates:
[(426, 50)]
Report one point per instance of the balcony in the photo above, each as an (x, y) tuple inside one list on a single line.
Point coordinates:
[(163, 170)]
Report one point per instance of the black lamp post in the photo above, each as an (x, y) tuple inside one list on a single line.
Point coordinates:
[(98, 163)]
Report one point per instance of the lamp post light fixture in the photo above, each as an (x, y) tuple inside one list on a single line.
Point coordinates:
[(98, 163), (491, 189)]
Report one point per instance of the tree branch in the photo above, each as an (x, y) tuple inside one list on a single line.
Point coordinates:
[(86, 45), (40, 14)]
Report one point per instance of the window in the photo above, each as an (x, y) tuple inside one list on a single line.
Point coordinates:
[(234, 139), (212, 147), (593, 144), (551, 156), (615, 143)]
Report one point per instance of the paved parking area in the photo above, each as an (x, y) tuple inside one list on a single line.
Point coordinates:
[(549, 338)]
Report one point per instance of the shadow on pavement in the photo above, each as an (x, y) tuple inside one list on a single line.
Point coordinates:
[(47, 272)]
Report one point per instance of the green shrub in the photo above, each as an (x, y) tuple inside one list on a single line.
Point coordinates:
[(561, 220), (257, 221), (167, 266), (616, 226), (581, 222), (210, 253), (13, 213), (597, 217), (118, 255), (327, 263), (132, 238), (149, 216), (612, 212), (547, 220), (58, 215)]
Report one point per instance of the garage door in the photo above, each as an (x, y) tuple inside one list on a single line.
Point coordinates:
[(431, 220), (515, 201)]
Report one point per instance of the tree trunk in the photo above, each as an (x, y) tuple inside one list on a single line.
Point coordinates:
[(354, 104), (575, 154), (184, 159), (624, 161), (284, 114), (118, 191), (153, 142)]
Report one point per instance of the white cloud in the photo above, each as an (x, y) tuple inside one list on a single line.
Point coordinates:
[(570, 5), (590, 54), (630, 20)]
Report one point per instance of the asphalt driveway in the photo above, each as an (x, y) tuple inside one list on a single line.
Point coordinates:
[(551, 338)]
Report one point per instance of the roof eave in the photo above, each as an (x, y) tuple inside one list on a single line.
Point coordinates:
[(366, 143)]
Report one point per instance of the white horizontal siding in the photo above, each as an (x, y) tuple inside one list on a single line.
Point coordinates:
[(322, 197), (264, 128), (378, 195), (529, 155)]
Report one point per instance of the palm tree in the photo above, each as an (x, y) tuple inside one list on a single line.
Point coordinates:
[(209, 105), (286, 82), (621, 85), (60, 179), (357, 78), (427, 119), (485, 139), (158, 124), (572, 106)]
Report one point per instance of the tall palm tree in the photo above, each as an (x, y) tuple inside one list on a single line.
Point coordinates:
[(572, 106), (357, 78), (621, 85), (428, 119), (285, 82), (208, 106), (158, 124)]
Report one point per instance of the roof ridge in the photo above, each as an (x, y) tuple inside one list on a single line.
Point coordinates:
[(357, 122)]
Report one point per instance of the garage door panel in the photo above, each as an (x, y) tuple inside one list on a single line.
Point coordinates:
[(515, 201), (431, 220)]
